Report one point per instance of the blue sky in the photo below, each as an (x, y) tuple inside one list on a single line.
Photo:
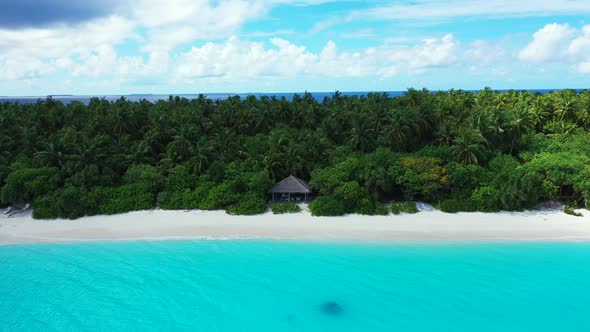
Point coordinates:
[(103, 47)]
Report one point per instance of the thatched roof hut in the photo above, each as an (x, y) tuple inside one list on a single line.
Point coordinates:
[(290, 186)]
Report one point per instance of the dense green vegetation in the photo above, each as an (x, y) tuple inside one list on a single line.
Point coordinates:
[(460, 151), (281, 208), (403, 207)]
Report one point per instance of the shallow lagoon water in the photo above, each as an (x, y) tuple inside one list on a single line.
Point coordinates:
[(247, 285)]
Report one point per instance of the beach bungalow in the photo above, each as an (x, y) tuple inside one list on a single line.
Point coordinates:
[(290, 189)]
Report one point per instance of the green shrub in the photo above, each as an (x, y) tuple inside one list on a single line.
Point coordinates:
[(25, 184), (366, 207), (486, 199), (129, 197), (89, 177), (196, 199), (68, 202), (146, 175), (395, 208), (457, 205), (280, 208), (258, 182), (220, 196), (370, 208), (569, 209), (326, 180), (403, 207), (408, 207), (420, 176), (74, 202), (550, 190), (352, 195), (171, 200), (248, 204), (45, 208), (216, 171), (179, 179), (381, 209), (327, 206)]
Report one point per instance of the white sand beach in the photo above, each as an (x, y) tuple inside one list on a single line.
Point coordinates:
[(426, 225)]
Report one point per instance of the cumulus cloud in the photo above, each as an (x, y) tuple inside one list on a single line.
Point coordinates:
[(176, 22), (580, 46), (434, 53), (244, 59), (549, 43), (34, 51), (86, 38), (559, 42), (97, 45)]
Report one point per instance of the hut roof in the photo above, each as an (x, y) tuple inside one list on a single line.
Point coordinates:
[(292, 185)]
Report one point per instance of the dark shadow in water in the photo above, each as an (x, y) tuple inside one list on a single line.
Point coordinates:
[(332, 308), (291, 318)]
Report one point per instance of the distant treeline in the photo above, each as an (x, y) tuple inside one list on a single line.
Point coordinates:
[(461, 151)]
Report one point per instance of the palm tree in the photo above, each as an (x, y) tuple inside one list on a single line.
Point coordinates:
[(295, 163), (55, 154), (139, 153), (182, 144), (398, 130), (520, 121), (226, 143), (89, 152), (583, 114), (201, 156), (360, 134), (468, 146), (565, 104), (539, 113), (445, 135)]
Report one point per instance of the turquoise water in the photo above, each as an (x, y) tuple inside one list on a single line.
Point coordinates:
[(278, 286)]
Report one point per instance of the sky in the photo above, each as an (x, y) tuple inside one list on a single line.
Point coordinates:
[(102, 47)]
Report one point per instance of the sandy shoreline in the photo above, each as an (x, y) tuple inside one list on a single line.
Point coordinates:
[(426, 225)]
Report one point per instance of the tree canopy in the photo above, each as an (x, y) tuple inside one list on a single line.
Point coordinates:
[(462, 151)]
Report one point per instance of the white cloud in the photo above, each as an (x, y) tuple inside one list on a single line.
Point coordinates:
[(559, 43), (549, 43), (430, 53), (482, 52), (31, 52), (176, 22), (157, 29), (12, 68), (238, 59), (64, 40), (584, 67), (244, 59), (580, 46), (435, 53), (89, 48)]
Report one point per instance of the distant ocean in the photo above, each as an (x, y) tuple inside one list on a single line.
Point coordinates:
[(290, 286), (214, 96)]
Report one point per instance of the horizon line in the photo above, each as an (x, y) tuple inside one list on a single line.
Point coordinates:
[(287, 92)]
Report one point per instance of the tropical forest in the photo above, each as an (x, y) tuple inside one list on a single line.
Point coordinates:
[(371, 154)]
